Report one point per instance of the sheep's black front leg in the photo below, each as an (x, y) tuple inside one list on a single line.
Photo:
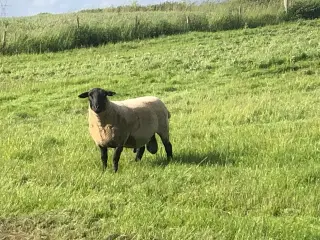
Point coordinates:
[(116, 157), (104, 157), (140, 152)]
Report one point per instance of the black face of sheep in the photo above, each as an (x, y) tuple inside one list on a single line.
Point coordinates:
[(97, 98)]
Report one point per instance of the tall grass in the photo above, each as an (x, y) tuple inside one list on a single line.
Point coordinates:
[(51, 33)]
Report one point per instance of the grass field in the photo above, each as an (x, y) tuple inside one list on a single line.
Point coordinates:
[(245, 130)]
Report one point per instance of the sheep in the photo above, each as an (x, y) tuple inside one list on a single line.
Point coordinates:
[(130, 123)]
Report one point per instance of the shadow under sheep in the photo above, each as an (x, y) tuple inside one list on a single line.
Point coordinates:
[(201, 159)]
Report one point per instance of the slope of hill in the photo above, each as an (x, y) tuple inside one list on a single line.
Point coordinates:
[(245, 133)]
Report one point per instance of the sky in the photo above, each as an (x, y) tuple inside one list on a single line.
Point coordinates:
[(18, 8)]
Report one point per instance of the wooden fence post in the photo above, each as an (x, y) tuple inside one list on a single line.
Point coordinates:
[(239, 14), (136, 24), (286, 5), (4, 40), (136, 27), (188, 22), (78, 22)]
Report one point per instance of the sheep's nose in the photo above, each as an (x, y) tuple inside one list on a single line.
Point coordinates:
[(96, 109)]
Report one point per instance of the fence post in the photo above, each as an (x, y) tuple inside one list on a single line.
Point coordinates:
[(4, 40), (136, 27), (188, 22), (136, 22), (239, 15), (286, 5), (78, 22)]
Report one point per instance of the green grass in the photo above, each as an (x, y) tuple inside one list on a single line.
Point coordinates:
[(89, 28), (52, 33), (245, 131)]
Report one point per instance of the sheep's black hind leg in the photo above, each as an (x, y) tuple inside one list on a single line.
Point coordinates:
[(168, 147), (140, 152), (104, 157), (116, 157)]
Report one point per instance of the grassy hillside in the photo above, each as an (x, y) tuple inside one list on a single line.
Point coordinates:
[(51, 33), (245, 131)]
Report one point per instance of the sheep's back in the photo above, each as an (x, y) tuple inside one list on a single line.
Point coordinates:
[(151, 113)]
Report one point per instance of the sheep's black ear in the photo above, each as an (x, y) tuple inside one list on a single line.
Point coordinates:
[(84, 95), (109, 93)]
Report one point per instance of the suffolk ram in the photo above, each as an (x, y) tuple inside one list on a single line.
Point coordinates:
[(131, 123)]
